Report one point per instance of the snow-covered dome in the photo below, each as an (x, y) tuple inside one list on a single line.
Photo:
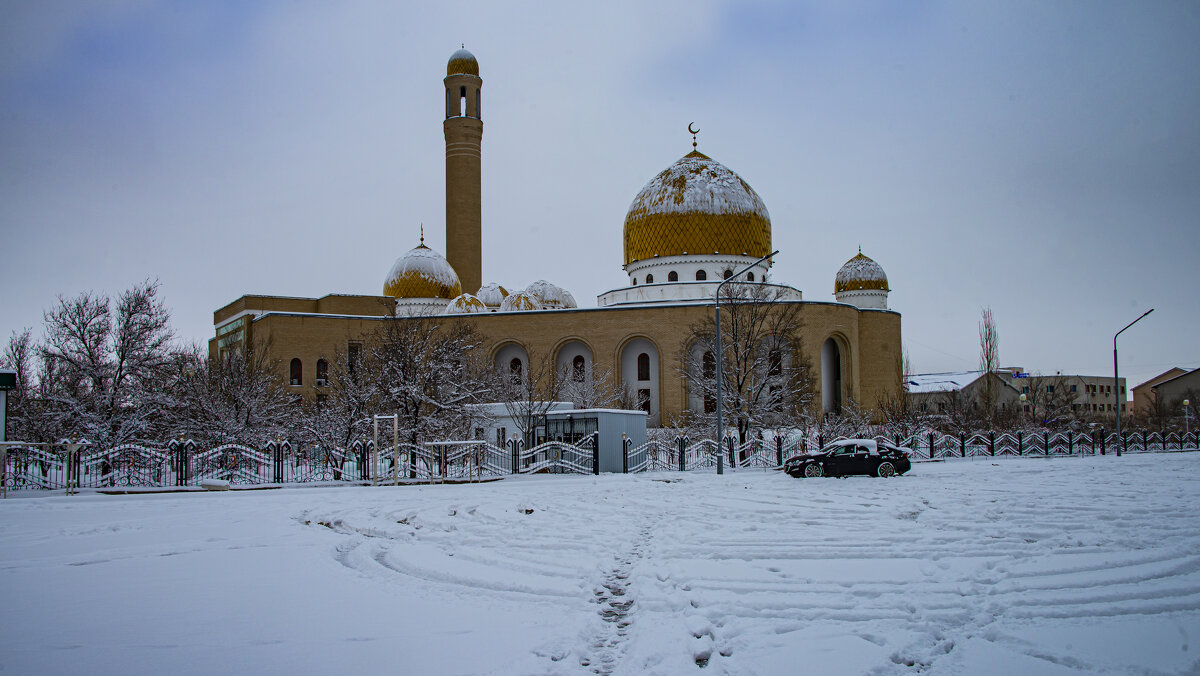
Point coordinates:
[(462, 62), (861, 283), (860, 273), (520, 300), (465, 304), (551, 296), (697, 206), (492, 295), (422, 273)]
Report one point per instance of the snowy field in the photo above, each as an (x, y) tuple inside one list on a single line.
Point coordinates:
[(1014, 566)]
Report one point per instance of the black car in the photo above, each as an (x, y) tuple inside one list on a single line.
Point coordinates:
[(851, 456)]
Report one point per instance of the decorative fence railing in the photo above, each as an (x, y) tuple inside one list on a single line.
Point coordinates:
[(180, 463)]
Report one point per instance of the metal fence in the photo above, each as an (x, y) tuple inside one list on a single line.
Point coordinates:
[(181, 463)]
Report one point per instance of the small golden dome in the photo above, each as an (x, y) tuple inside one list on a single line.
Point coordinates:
[(462, 62), (860, 273), (422, 273), (697, 206)]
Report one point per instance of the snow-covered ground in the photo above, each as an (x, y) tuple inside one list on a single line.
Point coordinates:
[(1014, 566)]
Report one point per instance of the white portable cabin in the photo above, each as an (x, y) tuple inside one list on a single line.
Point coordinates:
[(615, 428)]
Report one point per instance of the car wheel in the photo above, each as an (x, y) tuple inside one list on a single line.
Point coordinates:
[(886, 470), (813, 470)]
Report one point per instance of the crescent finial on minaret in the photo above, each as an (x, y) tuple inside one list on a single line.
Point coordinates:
[(693, 133)]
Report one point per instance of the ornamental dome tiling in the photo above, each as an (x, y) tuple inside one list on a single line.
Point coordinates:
[(462, 62), (465, 304), (422, 273), (697, 206), (860, 273)]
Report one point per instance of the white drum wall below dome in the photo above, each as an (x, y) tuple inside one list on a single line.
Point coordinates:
[(686, 267)]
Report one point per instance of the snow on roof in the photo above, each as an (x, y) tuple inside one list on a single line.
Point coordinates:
[(425, 264), (520, 300), (860, 271), (698, 183), (551, 295), (925, 383), (492, 294)]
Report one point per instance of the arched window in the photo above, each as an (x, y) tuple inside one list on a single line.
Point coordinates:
[(672, 276), (649, 279), (578, 368), (701, 275), (462, 101), (449, 104), (635, 281), (296, 375), (750, 276), (322, 371), (477, 113), (643, 366), (514, 370), (774, 363), (728, 274), (709, 365)]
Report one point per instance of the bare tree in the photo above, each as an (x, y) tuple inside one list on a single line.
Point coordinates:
[(23, 405), (594, 388), (235, 398), (343, 409), (1049, 400), (766, 376), (989, 358), (959, 412), (100, 363), (900, 415), (430, 371), (529, 394), (852, 421)]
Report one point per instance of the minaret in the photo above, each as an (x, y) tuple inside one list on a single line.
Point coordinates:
[(464, 135)]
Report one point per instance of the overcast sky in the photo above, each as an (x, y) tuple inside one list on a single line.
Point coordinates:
[(1039, 158)]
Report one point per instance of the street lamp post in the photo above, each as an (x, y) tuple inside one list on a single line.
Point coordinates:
[(720, 352), (1186, 428), (1117, 381)]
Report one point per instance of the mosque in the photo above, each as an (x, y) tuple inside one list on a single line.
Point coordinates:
[(693, 225)]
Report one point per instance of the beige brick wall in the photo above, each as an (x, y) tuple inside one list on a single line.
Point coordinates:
[(872, 337)]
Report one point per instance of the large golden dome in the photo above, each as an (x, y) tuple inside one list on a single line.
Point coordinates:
[(860, 273), (462, 62), (697, 206), (422, 273)]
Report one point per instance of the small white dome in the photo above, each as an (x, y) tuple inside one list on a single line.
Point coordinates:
[(492, 295), (520, 300), (551, 296), (465, 304)]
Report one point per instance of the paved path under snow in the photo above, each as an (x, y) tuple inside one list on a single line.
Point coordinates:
[(1068, 565)]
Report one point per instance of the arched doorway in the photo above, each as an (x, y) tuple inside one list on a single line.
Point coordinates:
[(831, 378)]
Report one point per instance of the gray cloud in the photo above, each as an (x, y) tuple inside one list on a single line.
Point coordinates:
[(1038, 159)]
